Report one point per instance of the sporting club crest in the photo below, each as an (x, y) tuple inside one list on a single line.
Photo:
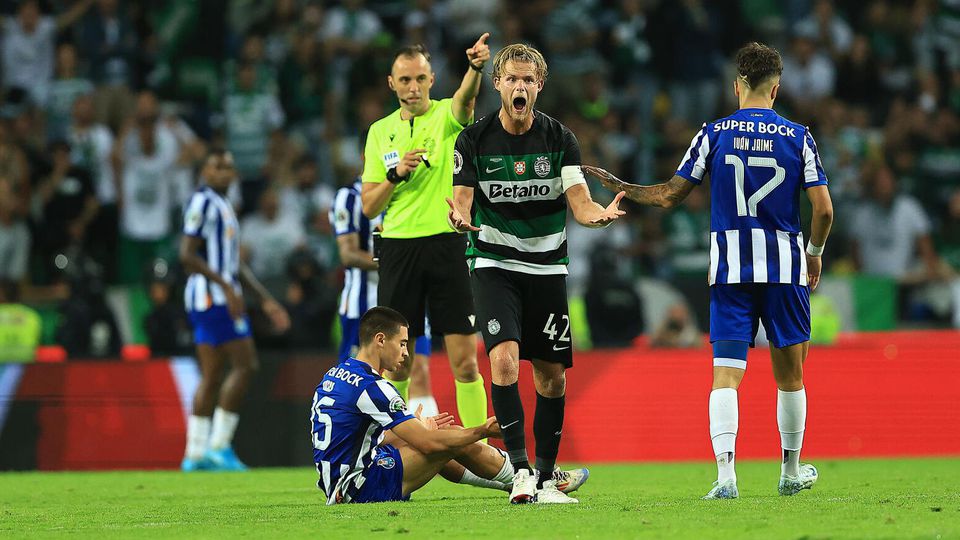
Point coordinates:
[(493, 326), (542, 166)]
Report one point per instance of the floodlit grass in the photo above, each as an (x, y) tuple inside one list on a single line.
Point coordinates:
[(906, 498)]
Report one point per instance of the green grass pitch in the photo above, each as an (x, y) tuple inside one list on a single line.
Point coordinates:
[(904, 498)]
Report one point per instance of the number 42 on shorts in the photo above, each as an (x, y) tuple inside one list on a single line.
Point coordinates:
[(550, 329)]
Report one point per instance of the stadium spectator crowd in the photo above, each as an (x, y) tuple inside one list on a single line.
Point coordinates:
[(107, 107)]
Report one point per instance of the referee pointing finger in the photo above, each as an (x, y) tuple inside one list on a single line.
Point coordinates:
[(408, 173)]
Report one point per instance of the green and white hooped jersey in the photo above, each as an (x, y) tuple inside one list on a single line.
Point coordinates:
[(519, 183)]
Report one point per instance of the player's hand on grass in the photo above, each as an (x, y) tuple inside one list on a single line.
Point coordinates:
[(235, 305), (611, 212), (814, 264), (480, 52), (410, 161), (606, 179), (491, 428), (278, 316), (456, 221)]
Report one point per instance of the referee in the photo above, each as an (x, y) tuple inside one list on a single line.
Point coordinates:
[(408, 172)]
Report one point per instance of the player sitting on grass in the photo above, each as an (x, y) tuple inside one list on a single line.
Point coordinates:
[(369, 448)]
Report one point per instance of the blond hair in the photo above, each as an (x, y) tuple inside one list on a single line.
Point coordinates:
[(519, 52)]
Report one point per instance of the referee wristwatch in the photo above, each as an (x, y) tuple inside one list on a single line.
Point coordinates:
[(395, 178)]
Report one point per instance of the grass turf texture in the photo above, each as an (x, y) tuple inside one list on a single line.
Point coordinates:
[(906, 498)]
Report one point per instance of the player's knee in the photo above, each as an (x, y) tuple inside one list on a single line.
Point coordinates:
[(466, 370), (504, 366), (551, 385)]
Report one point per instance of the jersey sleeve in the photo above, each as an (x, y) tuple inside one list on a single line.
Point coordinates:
[(813, 174), (464, 161), (344, 212), (195, 216), (381, 402), (570, 172), (694, 162), (374, 169)]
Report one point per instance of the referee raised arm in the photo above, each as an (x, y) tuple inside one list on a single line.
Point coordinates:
[(408, 173)]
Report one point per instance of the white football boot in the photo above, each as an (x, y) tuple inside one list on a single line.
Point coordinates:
[(791, 485), (549, 494), (723, 490), (524, 487), (570, 481)]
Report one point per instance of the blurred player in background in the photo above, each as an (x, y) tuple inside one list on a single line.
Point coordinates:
[(517, 170), (758, 162), (369, 448), (407, 173), (355, 233), (213, 297)]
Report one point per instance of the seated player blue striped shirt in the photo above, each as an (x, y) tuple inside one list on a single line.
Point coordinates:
[(758, 162), (352, 407)]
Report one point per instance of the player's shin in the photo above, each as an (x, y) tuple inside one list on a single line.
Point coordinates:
[(724, 420), (472, 402), (198, 435), (791, 420), (547, 429), (509, 411), (224, 426)]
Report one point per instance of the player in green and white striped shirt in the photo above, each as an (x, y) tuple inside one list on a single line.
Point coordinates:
[(515, 173)]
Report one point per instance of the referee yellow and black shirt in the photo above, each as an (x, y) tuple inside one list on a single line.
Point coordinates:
[(417, 207)]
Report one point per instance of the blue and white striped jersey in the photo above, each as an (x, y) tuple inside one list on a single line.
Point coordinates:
[(359, 286), (758, 162), (210, 216), (352, 407)]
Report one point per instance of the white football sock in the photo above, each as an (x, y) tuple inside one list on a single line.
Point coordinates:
[(500, 481), (791, 419), (724, 420), (429, 405), (198, 433), (224, 426)]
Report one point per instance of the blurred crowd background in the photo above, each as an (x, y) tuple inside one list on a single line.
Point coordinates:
[(108, 106)]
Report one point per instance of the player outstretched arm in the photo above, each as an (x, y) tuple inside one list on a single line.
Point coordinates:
[(588, 212), (666, 195), (441, 436), (465, 98), (459, 215), (819, 230)]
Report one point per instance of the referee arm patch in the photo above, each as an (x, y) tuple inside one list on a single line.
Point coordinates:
[(571, 175)]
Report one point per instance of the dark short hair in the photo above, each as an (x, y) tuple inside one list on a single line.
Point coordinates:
[(378, 320), (757, 62), (411, 51)]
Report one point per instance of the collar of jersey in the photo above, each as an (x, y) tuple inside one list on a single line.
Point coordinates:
[(363, 365)]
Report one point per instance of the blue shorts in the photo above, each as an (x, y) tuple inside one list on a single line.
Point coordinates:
[(215, 327), (384, 478), (784, 309), (350, 341)]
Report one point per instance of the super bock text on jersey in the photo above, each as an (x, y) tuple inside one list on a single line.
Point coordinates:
[(352, 406), (758, 162)]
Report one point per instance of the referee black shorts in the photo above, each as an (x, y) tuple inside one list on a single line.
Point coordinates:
[(431, 271)]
